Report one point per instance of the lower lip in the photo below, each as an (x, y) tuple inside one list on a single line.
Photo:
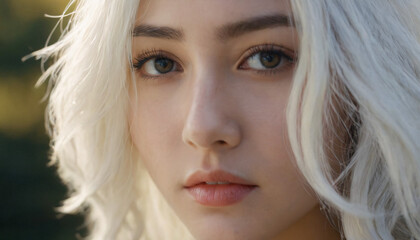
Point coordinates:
[(219, 194)]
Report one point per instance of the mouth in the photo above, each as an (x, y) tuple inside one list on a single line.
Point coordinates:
[(218, 188)]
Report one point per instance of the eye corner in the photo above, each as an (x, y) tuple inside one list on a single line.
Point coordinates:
[(241, 66)]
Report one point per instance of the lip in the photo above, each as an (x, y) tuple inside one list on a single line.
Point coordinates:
[(232, 190)]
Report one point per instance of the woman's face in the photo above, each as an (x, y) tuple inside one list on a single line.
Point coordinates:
[(213, 79)]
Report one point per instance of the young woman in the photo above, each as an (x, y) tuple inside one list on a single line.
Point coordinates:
[(239, 119)]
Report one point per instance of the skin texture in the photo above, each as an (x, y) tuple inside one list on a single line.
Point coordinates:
[(212, 113)]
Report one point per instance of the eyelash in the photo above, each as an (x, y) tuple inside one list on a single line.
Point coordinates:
[(147, 55)]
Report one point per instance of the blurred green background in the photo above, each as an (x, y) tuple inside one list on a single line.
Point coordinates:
[(30, 190)]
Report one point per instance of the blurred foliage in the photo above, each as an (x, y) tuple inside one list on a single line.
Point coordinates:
[(30, 189)]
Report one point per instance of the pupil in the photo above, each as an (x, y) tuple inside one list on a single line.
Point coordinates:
[(163, 65), (269, 60)]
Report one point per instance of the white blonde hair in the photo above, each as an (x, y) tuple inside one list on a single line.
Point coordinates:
[(358, 71)]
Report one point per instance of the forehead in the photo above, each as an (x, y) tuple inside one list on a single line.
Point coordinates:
[(205, 14)]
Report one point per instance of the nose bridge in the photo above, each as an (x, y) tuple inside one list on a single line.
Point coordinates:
[(208, 123), (204, 97)]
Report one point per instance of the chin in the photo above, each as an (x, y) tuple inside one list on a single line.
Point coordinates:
[(233, 229)]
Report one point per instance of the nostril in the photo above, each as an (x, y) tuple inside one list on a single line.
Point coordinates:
[(221, 142)]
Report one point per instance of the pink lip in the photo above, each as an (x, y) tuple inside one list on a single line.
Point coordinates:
[(232, 191)]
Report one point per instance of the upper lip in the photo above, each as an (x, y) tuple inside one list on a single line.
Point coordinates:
[(215, 176)]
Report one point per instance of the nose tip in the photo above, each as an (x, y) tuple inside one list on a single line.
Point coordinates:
[(211, 134)]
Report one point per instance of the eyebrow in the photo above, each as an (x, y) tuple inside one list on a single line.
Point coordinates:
[(158, 32), (228, 31), (233, 30)]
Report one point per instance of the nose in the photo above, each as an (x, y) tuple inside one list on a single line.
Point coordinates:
[(210, 122)]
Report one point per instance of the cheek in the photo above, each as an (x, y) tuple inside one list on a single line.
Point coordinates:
[(154, 137), (149, 123), (149, 131), (275, 163)]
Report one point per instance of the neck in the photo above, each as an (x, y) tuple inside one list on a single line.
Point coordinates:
[(314, 225)]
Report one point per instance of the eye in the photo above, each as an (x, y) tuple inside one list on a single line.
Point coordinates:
[(155, 63), (156, 66), (267, 58)]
